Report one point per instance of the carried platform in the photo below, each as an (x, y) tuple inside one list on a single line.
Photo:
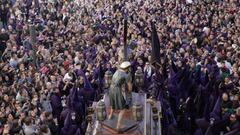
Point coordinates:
[(130, 127)]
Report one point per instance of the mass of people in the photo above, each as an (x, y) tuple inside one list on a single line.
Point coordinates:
[(47, 85)]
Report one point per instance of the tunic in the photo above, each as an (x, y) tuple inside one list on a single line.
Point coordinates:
[(118, 85)]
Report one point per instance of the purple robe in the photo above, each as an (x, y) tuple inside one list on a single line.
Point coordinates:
[(77, 102), (68, 128), (202, 125), (56, 104), (87, 91), (216, 113)]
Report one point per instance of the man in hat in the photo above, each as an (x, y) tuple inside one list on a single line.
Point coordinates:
[(118, 91)]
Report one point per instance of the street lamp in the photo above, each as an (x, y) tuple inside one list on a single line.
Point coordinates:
[(89, 118), (155, 118), (107, 79), (139, 79), (137, 110), (101, 112), (137, 107), (90, 122)]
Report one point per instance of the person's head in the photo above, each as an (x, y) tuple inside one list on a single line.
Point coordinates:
[(14, 49), (44, 129), (87, 74), (140, 61), (21, 66), (53, 78), (32, 114), (56, 90), (233, 117), (81, 80), (14, 56), (28, 121), (17, 105), (63, 71), (49, 116), (22, 115), (227, 79), (238, 112), (15, 124), (10, 117), (3, 30), (125, 66), (223, 64), (236, 97), (2, 114), (34, 99), (225, 97), (147, 64), (6, 129), (6, 98), (43, 115), (48, 85)]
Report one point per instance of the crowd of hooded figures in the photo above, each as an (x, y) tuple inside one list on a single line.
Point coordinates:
[(47, 85)]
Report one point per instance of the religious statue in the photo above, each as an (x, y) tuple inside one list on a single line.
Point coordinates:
[(120, 86)]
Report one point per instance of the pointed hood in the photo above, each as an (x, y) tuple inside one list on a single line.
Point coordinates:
[(87, 84), (55, 101), (155, 55), (215, 71), (87, 90), (78, 132), (125, 40), (67, 122), (79, 72), (181, 74), (98, 74), (165, 73), (173, 75), (76, 101), (68, 127), (101, 72), (197, 74), (216, 113), (205, 79), (68, 102), (174, 68), (73, 96)]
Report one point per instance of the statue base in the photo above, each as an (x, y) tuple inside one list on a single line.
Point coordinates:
[(126, 125)]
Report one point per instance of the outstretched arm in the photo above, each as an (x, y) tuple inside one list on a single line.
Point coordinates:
[(130, 86)]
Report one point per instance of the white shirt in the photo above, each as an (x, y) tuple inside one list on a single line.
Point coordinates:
[(13, 63), (229, 66), (148, 70), (29, 130)]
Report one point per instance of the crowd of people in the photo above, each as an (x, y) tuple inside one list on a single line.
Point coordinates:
[(47, 85)]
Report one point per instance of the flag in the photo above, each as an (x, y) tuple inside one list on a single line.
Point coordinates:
[(125, 40), (33, 40), (32, 31), (101, 71), (155, 56)]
